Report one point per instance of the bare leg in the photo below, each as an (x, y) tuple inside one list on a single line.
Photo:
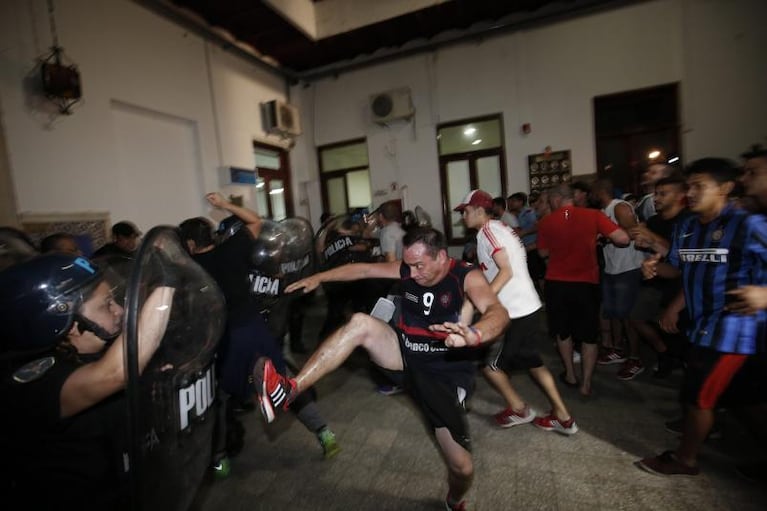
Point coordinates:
[(605, 327), (460, 468), (543, 376), (616, 327), (650, 334), (633, 337), (378, 339), (565, 347), (589, 353), (500, 380), (697, 425)]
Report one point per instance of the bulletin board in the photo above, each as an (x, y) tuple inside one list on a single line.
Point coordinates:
[(549, 169)]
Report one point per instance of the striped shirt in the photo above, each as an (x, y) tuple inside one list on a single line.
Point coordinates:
[(727, 253)]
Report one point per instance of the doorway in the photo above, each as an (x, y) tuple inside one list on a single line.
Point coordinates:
[(634, 128)]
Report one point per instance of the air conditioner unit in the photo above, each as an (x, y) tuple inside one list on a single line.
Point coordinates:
[(280, 118), (391, 105)]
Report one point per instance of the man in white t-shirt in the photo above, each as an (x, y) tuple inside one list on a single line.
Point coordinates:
[(504, 215), (621, 281), (390, 239), (502, 259), (655, 171), (391, 232)]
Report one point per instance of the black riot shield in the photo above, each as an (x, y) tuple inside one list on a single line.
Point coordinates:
[(345, 239), (341, 240), (172, 403), (282, 254), (15, 247)]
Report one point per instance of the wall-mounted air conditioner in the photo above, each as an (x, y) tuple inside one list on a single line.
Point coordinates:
[(391, 105), (280, 118)]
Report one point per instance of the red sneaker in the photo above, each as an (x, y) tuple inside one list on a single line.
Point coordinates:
[(508, 417), (274, 390), (631, 368), (460, 506), (552, 423), (610, 356)]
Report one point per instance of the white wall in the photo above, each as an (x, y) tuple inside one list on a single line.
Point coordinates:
[(725, 76), (547, 76), (162, 113), (202, 103)]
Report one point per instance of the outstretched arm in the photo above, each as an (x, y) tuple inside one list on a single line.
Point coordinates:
[(91, 383), (645, 238), (347, 272)]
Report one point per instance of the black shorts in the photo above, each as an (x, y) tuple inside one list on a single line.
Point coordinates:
[(439, 385), (536, 265), (572, 309), (714, 379), (647, 306), (520, 344)]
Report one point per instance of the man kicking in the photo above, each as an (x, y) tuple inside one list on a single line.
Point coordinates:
[(423, 351)]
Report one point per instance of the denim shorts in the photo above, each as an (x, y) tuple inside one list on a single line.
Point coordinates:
[(619, 293)]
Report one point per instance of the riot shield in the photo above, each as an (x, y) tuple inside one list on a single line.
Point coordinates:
[(344, 239), (172, 403), (341, 240), (15, 247), (282, 254)]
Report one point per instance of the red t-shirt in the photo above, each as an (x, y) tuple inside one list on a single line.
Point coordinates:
[(570, 236)]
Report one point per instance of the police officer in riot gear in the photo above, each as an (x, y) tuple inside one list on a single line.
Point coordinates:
[(61, 372), (246, 336)]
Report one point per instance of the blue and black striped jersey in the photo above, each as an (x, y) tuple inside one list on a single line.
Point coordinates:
[(727, 253)]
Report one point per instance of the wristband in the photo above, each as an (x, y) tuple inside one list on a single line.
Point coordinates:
[(478, 333)]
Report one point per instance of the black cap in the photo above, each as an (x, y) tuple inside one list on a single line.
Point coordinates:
[(755, 151), (125, 229)]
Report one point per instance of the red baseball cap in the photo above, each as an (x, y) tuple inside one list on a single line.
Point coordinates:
[(476, 198)]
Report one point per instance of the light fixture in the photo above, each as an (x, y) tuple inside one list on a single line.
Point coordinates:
[(673, 159), (260, 184), (653, 154), (276, 191), (470, 131), (60, 79), (478, 141)]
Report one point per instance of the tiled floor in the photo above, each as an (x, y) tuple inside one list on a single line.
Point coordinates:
[(389, 461)]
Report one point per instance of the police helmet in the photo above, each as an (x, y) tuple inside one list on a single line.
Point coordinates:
[(39, 299), (228, 227)]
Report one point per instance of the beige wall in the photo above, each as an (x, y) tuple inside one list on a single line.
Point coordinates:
[(7, 194)]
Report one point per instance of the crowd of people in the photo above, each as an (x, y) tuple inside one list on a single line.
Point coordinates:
[(605, 292), (683, 268)]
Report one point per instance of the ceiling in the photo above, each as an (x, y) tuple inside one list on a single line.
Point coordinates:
[(271, 38)]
